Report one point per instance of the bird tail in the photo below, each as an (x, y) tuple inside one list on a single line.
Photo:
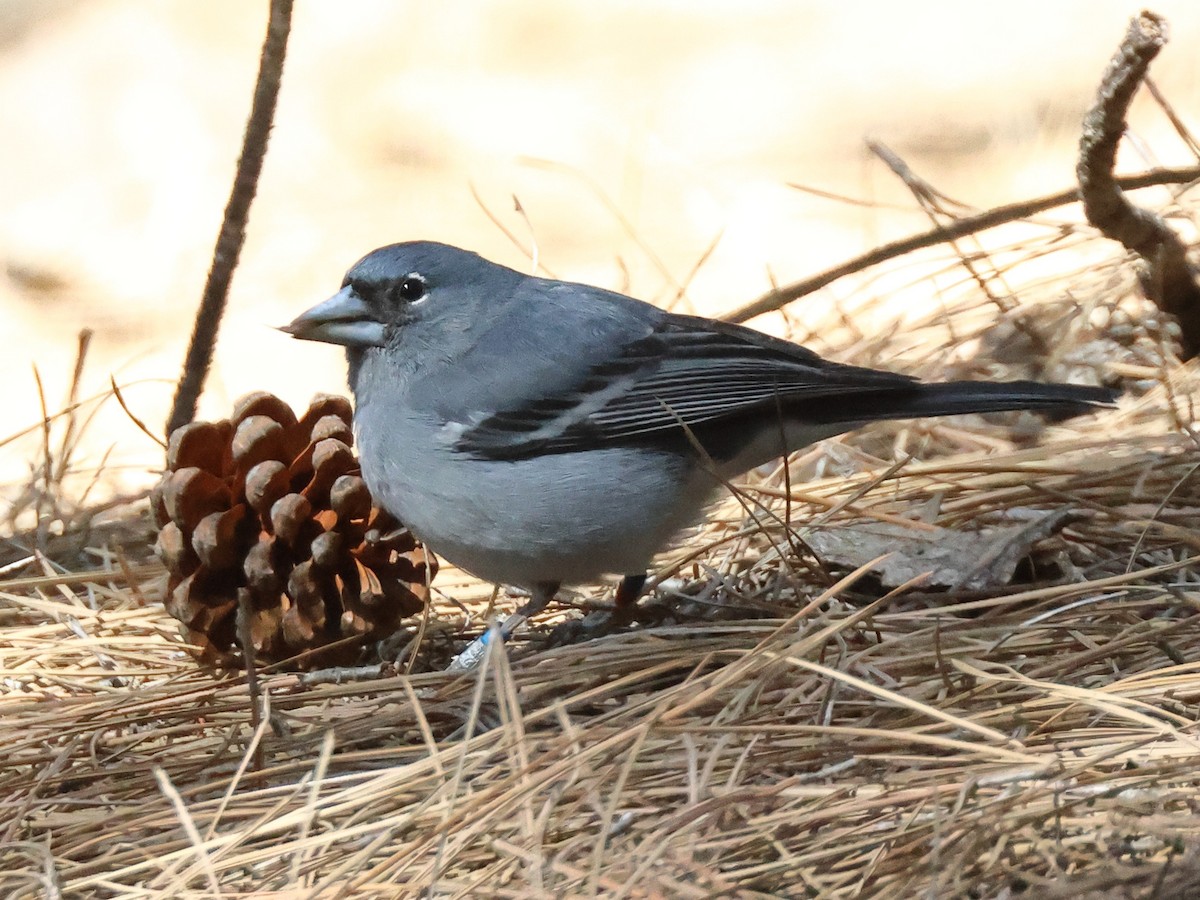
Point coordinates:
[(951, 398)]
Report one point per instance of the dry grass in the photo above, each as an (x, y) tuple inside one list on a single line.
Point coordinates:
[(797, 732)]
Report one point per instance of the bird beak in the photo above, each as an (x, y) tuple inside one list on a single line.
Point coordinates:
[(342, 319)]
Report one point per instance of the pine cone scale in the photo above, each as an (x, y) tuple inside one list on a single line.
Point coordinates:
[(271, 508)]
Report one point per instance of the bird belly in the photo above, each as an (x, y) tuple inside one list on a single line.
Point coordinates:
[(569, 517)]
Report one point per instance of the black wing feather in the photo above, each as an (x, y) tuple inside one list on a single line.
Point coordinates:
[(687, 371)]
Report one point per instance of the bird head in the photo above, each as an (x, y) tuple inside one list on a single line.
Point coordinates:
[(401, 285)]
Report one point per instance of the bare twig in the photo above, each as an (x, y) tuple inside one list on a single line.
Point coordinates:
[(1168, 279), (237, 212), (778, 297), (245, 631), (681, 291), (931, 200), (43, 496), (626, 225), (534, 250), (848, 200), (934, 203), (136, 421), (67, 446), (507, 232), (1173, 117)]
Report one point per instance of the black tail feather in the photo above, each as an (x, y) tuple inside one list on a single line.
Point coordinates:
[(951, 398)]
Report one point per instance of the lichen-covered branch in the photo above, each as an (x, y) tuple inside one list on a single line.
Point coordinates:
[(1168, 279)]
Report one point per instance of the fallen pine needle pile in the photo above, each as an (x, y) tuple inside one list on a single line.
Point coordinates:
[(808, 721)]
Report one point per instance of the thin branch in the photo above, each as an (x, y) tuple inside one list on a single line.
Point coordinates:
[(237, 211), (934, 203), (507, 232), (67, 447), (1173, 117), (931, 200), (136, 421), (1001, 215), (626, 225)]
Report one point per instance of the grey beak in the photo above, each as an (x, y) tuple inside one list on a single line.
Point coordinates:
[(342, 319)]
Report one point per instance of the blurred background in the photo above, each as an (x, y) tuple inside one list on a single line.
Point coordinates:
[(654, 146)]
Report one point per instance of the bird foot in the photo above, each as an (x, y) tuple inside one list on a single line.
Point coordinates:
[(605, 621)]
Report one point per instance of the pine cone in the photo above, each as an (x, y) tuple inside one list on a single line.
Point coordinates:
[(273, 509)]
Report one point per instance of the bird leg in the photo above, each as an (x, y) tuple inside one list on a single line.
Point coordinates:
[(540, 596), (628, 591), (603, 621), (595, 625)]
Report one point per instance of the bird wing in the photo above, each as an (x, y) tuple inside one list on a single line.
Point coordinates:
[(685, 372)]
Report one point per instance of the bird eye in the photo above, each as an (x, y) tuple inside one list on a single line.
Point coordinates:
[(411, 289)]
